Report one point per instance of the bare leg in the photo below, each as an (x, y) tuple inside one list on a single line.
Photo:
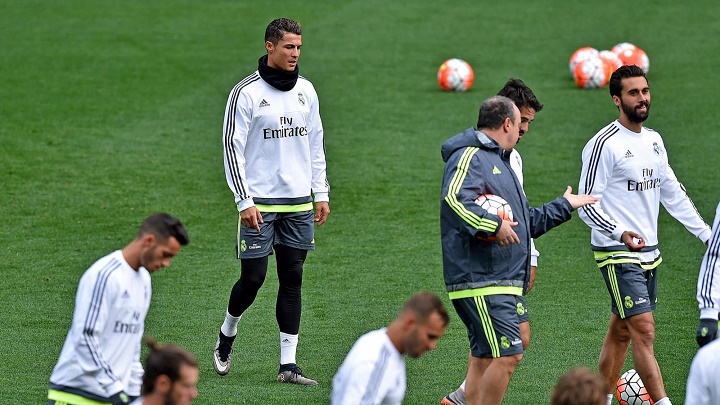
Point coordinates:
[(525, 334), (614, 350), (488, 378), (642, 334)]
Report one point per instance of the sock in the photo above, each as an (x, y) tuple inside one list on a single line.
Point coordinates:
[(462, 386), (663, 401), (610, 397), (288, 348), (229, 327)]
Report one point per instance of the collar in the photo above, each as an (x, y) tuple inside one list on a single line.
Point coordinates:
[(280, 79)]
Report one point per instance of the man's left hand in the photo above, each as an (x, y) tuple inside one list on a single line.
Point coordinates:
[(322, 210)]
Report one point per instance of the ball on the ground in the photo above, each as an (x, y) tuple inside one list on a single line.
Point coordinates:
[(455, 75), (631, 54), (591, 73), (631, 390), (611, 60), (581, 54)]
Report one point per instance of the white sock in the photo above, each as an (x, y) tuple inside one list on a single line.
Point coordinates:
[(229, 327), (462, 386), (663, 401), (288, 348), (610, 397)]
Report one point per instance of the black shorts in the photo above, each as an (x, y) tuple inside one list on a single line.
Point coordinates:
[(633, 290), (493, 324), (292, 229)]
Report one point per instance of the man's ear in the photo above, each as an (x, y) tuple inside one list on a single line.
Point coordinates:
[(162, 384), (269, 46), (148, 240)]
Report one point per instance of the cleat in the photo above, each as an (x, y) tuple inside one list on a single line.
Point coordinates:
[(295, 376), (222, 355), (456, 397)]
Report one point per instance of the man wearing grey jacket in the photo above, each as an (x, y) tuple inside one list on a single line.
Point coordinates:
[(486, 260)]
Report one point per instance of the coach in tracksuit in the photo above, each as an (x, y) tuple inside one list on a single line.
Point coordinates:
[(486, 260)]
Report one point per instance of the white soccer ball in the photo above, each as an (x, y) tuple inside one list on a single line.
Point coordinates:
[(455, 75), (581, 54), (591, 73), (611, 59), (495, 205), (631, 390), (631, 54)]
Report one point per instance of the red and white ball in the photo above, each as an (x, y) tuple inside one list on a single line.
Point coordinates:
[(495, 205), (455, 75), (631, 54), (581, 54), (631, 390), (611, 59), (591, 73)]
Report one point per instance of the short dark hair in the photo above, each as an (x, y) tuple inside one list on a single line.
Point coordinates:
[(493, 112), (424, 304), (163, 226), (164, 360), (623, 72), (276, 30), (580, 385), (517, 91)]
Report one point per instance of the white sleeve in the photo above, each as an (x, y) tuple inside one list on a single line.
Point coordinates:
[(238, 116), (708, 286), (534, 254), (320, 185), (91, 314), (678, 204), (697, 391), (597, 167), (356, 388)]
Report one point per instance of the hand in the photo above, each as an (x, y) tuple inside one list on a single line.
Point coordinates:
[(121, 398), (322, 210), (578, 201), (531, 283), (706, 331), (251, 218), (633, 240), (506, 235)]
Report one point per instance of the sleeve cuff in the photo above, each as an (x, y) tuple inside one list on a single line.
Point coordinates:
[(708, 313), (322, 197), (245, 204)]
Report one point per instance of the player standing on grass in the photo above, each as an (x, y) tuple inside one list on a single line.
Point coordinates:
[(625, 166), (708, 287), (528, 104), (483, 276), (274, 157), (100, 360)]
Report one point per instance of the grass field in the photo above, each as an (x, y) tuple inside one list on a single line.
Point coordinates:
[(110, 111)]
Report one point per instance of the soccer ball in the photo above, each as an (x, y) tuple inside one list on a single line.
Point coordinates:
[(630, 54), (494, 205), (591, 73), (580, 55), (455, 75), (631, 390), (611, 60)]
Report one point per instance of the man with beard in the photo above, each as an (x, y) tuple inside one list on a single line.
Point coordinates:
[(171, 376), (625, 166)]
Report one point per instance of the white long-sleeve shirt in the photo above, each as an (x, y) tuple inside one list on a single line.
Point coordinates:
[(273, 144), (101, 354), (708, 287), (630, 175), (516, 164), (703, 384), (373, 373)]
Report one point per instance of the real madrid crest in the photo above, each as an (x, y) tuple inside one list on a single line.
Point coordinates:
[(656, 148), (301, 99)]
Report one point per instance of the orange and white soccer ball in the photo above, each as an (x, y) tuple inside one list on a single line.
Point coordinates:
[(631, 390), (611, 60), (455, 75), (581, 54), (630, 54), (591, 73), (495, 205)]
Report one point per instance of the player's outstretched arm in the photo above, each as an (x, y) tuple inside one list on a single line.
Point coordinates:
[(578, 200)]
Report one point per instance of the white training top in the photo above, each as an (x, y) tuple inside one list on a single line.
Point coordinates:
[(273, 144), (373, 373), (101, 354), (516, 164), (708, 287), (630, 175), (703, 384)]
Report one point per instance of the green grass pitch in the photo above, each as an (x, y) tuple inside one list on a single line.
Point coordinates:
[(110, 111)]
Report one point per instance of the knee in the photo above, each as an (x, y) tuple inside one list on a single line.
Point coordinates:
[(252, 273)]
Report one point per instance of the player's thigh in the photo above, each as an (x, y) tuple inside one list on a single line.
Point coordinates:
[(629, 286), (296, 230), (492, 324), (251, 243)]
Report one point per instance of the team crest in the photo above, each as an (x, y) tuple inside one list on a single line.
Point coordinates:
[(504, 342), (520, 309), (301, 99), (656, 148), (628, 302)]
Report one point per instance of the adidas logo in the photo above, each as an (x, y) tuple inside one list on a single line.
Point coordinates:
[(628, 154), (126, 295), (496, 170), (264, 103), (286, 340)]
